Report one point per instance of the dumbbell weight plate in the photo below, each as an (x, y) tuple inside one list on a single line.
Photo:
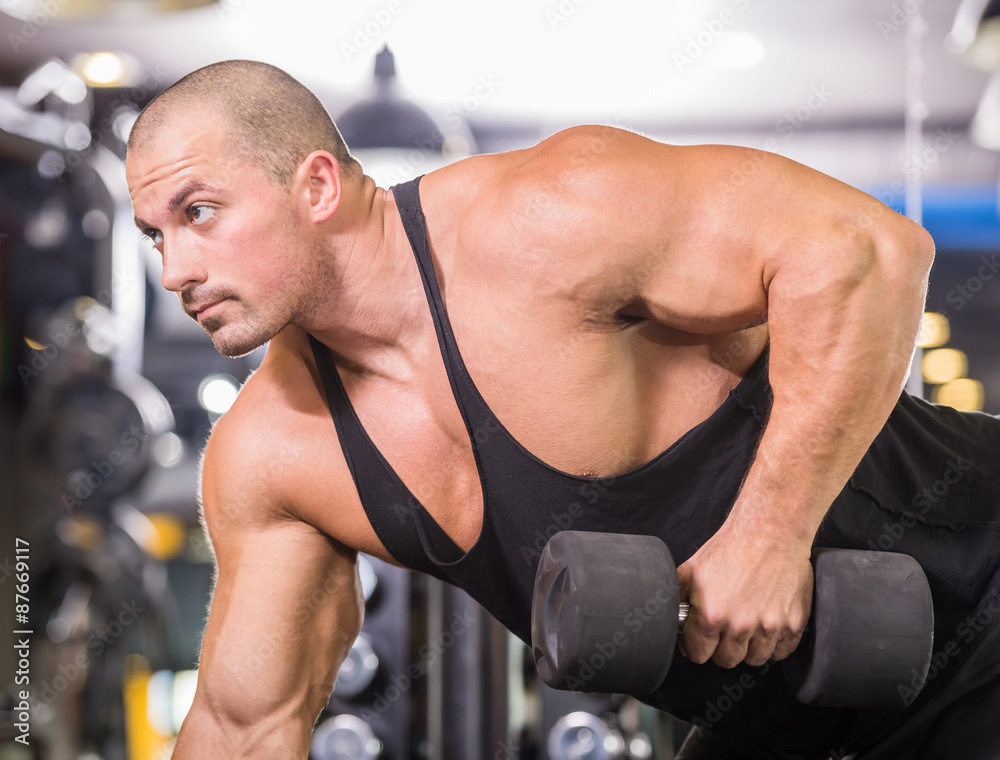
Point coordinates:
[(871, 631), (604, 612)]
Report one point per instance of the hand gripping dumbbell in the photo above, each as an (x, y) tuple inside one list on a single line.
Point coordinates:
[(606, 612)]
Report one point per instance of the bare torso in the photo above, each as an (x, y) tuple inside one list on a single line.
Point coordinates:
[(588, 386)]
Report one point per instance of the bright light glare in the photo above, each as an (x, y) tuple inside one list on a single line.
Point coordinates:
[(963, 394), (935, 330), (640, 748), (103, 69), (944, 364), (123, 123), (736, 50), (185, 685), (100, 326), (41, 82), (563, 67), (72, 89), (160, 701), (368, 576), (168, 449), (985, 126), (216, 393)]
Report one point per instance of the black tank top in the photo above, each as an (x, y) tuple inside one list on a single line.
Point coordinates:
[(682, 496)]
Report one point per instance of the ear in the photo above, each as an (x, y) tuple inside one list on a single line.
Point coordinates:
[(318, 185)]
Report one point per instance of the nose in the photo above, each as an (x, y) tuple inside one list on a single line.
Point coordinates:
[(182, 267)]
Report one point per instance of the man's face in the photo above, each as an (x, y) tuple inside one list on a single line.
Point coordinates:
[(232, 246)]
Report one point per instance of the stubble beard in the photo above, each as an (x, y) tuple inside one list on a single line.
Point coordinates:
[(254, 327), (239, 337)]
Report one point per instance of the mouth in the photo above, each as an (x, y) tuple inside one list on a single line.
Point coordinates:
[(207, 310)]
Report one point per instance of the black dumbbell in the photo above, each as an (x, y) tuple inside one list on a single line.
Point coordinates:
[(606, 613)]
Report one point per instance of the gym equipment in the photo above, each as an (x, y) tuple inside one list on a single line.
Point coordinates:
[(583, 736), (345, 737), (606, 612), (358, 670), (90, 428)]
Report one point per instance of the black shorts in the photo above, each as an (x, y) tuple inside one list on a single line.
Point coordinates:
[(929, 486), (959, 723)]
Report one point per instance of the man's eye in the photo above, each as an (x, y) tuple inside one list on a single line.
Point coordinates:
[(200, 214), (155, 236)]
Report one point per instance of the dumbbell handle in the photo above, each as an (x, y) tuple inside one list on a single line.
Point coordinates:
[(683, 610)]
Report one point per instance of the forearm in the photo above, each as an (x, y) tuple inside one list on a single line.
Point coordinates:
[(207, 735), (842, 331)]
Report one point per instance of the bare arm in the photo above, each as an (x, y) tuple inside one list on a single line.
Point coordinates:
[(844, 284), (714, 239), (285, 610)]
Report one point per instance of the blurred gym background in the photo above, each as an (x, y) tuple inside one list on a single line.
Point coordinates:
[(108, 392)]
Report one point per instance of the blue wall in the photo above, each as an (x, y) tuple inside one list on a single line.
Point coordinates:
[(959, 217)]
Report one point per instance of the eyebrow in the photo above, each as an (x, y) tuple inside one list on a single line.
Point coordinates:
[(188, 188)]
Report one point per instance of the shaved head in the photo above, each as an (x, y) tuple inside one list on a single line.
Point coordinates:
[(274, 120)]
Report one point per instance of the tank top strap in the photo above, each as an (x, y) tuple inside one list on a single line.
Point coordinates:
[(398, 519), (475, 412)]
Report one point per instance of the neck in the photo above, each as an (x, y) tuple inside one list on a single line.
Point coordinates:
[(372, 314)]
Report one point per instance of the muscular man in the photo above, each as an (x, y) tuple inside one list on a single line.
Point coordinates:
[(700, 343)]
